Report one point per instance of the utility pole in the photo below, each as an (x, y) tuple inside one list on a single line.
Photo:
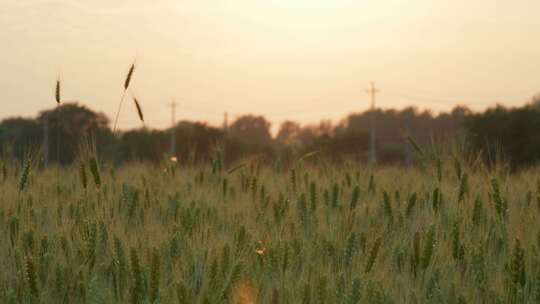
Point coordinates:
[(173, 128), (372, 92)]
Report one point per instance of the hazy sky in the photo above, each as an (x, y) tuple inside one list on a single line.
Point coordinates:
[(287, 59)]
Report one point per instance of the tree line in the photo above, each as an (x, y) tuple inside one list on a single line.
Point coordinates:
[(57, 134)]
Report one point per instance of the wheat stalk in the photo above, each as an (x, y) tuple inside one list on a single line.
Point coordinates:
[(126, 86), (24, 176), (94, 169), (57, 92), (139, 109)]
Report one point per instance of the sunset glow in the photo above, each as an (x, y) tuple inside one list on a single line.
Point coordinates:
[(307, 60)]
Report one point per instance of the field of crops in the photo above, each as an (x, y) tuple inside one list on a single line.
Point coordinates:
[(310, 232)]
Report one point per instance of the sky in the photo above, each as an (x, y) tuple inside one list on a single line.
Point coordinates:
[(304, 60)]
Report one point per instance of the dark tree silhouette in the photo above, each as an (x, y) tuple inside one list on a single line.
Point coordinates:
[(19, 135), (513, 134), (71, 123), (251, 130)]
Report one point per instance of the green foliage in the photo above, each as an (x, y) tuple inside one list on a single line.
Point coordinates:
[(506, 132), (151, 237)]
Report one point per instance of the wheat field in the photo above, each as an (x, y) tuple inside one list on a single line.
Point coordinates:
[(444, 231)]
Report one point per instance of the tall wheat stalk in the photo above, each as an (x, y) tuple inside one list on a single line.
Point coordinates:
[(57, 92), (126, 86), (57, 97), (139, 109)]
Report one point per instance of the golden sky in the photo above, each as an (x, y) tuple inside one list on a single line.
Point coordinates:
[(287, 59)]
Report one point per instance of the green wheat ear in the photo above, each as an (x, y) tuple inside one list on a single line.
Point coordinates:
[(31, 277), (137, 288), (411, 202), (415, 258), (95, 293), (373, 254), (82, 175), (182, 295), (387, 206), (517, 265), (293, 180), (306, 296), (94, 169), (439, 170), (121, 263), (458, 168), (355, 295), (500, 203), (23, 180), (313, 196), (155, 276), (236, 168), (371, 185), (354, 198), (307, 155), (429, 248), (350, 249), (463, 187), (415, 146), (335, 195), (321, 290)]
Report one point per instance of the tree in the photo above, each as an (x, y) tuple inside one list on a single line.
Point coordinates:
[(69, 124), (512, 132), (252, 130), (535, 103), (19, 135), (288, 132), (143, 145), (196, 141)]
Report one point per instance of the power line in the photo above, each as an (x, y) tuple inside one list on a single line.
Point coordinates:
[(302, 111), (430, 99)]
